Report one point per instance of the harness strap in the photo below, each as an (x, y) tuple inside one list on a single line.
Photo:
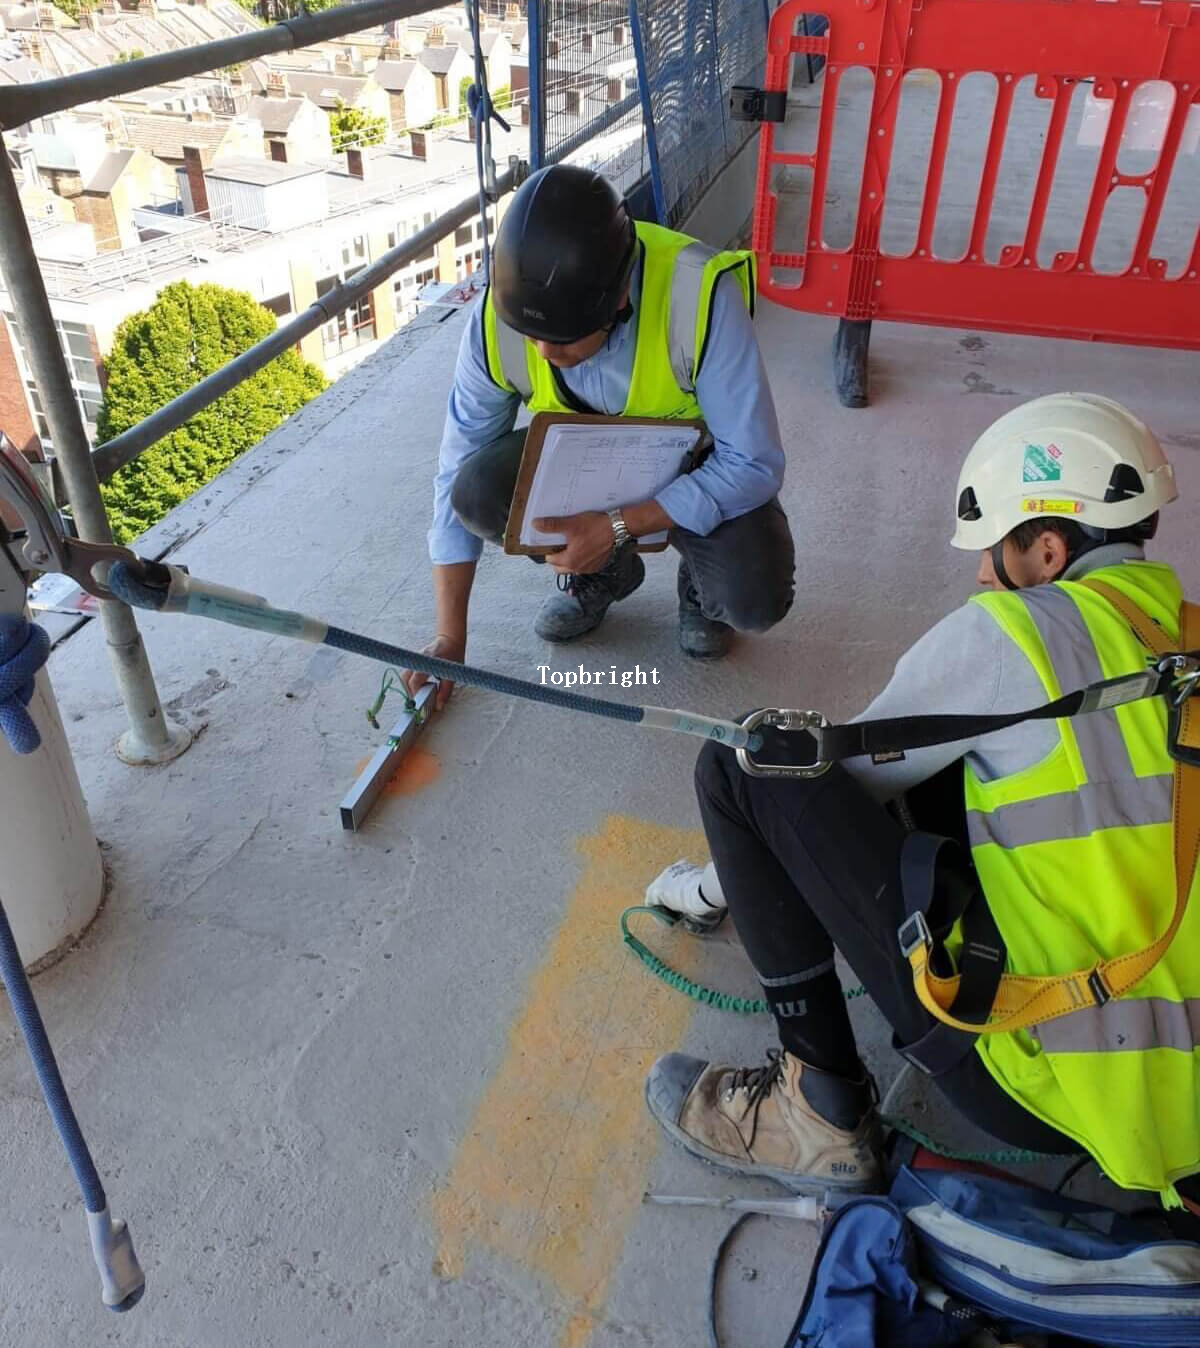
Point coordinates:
[(1023, 1000), (937, 883)]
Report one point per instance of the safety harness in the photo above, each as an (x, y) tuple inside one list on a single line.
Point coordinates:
[(980, 998)]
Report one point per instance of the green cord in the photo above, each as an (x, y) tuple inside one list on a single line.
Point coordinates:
[(390, 678), (756, 1006), (723, 1001), (1009, 1156)]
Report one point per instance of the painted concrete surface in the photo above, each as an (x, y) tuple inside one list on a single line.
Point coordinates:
[(385, 1089)]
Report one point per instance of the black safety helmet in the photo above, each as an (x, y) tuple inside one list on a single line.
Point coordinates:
[(563, 255)]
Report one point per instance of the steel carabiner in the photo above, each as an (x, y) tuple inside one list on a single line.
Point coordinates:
[(782, 718)]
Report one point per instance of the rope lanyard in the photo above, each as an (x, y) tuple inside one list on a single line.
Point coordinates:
[(167, 589)]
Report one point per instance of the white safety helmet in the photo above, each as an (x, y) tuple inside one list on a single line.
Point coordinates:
[(1069, 456)]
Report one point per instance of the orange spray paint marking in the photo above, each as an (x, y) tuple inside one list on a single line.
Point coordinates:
[(551, 1170), (418, 769)]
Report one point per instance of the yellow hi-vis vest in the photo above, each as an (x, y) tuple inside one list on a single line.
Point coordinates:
[(673, 314), (1075, 856)]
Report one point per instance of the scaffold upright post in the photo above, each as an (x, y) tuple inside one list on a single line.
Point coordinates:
[(150, 738)]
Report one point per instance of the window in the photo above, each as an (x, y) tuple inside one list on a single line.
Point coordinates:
[(354, 251), (462, 236), (353, 326), (279, 305), (407, 286), (467, 263), (278, 151), (76, 342)]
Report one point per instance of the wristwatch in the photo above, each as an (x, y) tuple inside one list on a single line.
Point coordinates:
[(621, 534)]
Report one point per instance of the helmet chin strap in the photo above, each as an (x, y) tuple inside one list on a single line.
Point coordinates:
[(999, 568)]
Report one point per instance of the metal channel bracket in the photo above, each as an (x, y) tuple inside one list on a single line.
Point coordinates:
[(386, 759)]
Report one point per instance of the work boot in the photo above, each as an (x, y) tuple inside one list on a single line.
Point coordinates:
[(582, 601), (689, 894), (808, 1130), (700, 637)]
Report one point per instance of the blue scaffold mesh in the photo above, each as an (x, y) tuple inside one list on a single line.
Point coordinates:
[(693, 53), (591, 107)]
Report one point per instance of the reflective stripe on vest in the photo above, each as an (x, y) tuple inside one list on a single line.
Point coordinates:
[(1125, 1026), (673, 316), (1123, 799), (1075, 856)]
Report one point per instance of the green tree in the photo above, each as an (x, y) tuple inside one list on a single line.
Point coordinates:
[(502, 98), (187, 333), (464, 88), (352, 127), (271, 10), (76, 9)]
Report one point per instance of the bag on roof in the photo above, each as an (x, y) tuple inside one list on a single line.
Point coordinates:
[(949, 1253)]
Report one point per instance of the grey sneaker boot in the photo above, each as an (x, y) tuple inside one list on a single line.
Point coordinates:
[(700, 637), (581, 602)]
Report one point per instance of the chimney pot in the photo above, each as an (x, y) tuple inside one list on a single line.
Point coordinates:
[(194, 167)]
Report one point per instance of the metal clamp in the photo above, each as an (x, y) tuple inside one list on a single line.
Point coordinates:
[(1185, 666), (747, 103), (782, 718), (46, 545)]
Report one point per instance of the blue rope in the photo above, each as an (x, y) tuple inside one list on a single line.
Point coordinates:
[(131, 589), (29, 1019), (480, 678), (24, 649)]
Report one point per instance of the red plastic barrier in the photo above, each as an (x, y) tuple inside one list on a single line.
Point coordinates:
[(1116, 45)]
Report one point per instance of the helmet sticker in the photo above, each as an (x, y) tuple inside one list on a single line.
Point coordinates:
[(1038, 505), (1041, 463)]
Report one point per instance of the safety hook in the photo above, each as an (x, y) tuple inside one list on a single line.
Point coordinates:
[(783, 718)]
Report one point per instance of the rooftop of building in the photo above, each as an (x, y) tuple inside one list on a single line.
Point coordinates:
[(260, 172), (276, 115), (440, 59), (165, 135), (393, 178), (102, 37), (394, 75), (104, 179), (327, 90)]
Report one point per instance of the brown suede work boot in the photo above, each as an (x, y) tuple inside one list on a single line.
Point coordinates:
[(760, 1121)]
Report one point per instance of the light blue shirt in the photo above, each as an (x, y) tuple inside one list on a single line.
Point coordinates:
[(744, 470)]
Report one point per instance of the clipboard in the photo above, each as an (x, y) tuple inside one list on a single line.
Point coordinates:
[(534, 441)]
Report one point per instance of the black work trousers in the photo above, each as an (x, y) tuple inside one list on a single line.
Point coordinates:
[(808, 865), (742, 572)]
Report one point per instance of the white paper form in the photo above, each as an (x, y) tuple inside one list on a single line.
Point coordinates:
[(591, 467)]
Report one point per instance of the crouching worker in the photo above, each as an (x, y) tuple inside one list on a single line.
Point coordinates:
[(1067, 824), (590, 312)]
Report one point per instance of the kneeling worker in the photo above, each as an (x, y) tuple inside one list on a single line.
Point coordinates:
[(1069, 826), (588, 311)]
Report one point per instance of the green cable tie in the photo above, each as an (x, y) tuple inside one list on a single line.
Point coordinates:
[(390, 678)]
